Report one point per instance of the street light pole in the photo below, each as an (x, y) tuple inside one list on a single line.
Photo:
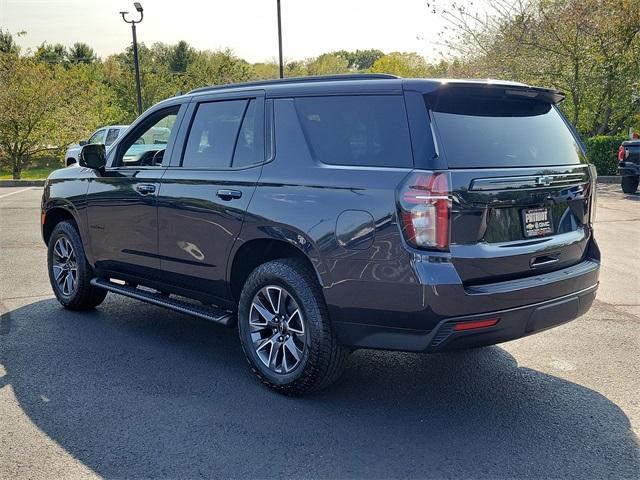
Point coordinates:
[(136, 63), (280, 41)]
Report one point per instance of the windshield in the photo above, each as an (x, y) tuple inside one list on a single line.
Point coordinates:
[(502, 132)]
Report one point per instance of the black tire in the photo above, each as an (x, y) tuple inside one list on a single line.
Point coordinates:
[(83, 296), (323, 358), (629, 184)]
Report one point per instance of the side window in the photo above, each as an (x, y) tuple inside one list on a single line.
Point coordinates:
[(359, 130), (111, 136), (98, 137), (250, 145), (146, 145), (213, 134)]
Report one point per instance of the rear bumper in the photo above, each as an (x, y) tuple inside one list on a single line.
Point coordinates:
[(628, 168), (512, 324), (420, 315)]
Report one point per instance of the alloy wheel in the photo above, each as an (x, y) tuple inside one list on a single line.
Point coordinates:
[(65, 266), (277, 329)]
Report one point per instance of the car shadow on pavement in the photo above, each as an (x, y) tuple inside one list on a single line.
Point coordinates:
[(132, 390)]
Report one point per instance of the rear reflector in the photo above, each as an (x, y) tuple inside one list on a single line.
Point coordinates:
[(490, 322)]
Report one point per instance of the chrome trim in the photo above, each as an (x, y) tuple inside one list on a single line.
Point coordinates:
[(529, 181)]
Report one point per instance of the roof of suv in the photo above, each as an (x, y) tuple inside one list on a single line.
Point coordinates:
[(369, 83)]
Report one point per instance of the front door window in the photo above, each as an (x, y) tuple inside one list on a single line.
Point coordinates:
[(146, 146)]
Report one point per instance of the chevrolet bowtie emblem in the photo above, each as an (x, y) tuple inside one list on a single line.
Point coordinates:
[(544, 180)]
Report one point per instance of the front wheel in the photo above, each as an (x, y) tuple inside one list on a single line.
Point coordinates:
[(629, 184), (69, 272), (285, 330)]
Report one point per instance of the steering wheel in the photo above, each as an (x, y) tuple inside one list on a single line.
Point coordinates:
[(146, 158), (157, 157)]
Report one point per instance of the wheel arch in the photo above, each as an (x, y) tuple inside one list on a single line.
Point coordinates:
[(54, 215), (252, 253)]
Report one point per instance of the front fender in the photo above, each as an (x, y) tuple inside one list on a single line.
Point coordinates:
[(70, 195)]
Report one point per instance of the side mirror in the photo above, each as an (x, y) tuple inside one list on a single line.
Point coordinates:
[(82, 143), (93, 156)]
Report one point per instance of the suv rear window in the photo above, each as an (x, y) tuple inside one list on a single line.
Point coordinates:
[(363, 130), (492, 131)]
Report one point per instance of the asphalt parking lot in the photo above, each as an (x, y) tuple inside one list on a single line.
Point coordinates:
[(132, 390)]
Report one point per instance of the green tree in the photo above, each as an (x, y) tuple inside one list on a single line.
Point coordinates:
[(216, 68), (327, 64), (364, 59), (81, 53), (588, 48), (181, 56), (44, 108), (8, 44), (51, 54), (403, 64), (157, 82), (264, 71), (360, 60)]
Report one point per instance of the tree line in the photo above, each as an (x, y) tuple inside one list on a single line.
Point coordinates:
[(590, 49)]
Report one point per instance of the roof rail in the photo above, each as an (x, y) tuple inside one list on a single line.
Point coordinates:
[(285, 81)]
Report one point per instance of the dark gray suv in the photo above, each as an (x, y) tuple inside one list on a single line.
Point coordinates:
[(319, 215)]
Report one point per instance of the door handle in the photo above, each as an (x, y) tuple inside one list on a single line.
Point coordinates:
[(145, 188), (544, 260), (229, 194)]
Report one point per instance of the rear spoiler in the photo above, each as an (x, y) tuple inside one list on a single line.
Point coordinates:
[(537, 93), (499, 88)]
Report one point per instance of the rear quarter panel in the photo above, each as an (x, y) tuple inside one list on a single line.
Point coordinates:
[(343, 218)]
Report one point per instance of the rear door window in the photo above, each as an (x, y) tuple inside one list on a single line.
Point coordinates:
[(249, 149), (213, 134), (486, 131), (357, 130)]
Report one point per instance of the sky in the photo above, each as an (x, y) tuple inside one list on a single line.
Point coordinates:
[(248, 27)]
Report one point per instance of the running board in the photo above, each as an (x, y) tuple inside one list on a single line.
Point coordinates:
[(213, 314)]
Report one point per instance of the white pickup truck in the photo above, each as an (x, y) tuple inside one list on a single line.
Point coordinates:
[(105, 135)]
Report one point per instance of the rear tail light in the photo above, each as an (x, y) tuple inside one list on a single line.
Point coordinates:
[(593, 176), (620, 153), (425, 209)]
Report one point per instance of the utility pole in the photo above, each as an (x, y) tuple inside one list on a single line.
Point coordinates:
[(280, 41), (136, 63)]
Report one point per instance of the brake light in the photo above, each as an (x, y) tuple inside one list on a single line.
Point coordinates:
[(593, 185), (425, 209), (620, 153)]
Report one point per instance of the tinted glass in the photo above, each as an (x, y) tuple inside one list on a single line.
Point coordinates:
[(112, 135), (213, 134), (146, 147), (499, 132), (249, 148), (357, 130)]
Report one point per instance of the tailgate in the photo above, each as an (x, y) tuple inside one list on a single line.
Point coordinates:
[(520, 185), (510, 223)]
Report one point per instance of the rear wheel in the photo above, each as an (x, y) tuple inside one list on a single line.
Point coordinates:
[(69, 272), (285, 330), (629, 184)]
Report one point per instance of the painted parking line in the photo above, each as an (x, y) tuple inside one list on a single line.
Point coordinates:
[(17, 191)]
